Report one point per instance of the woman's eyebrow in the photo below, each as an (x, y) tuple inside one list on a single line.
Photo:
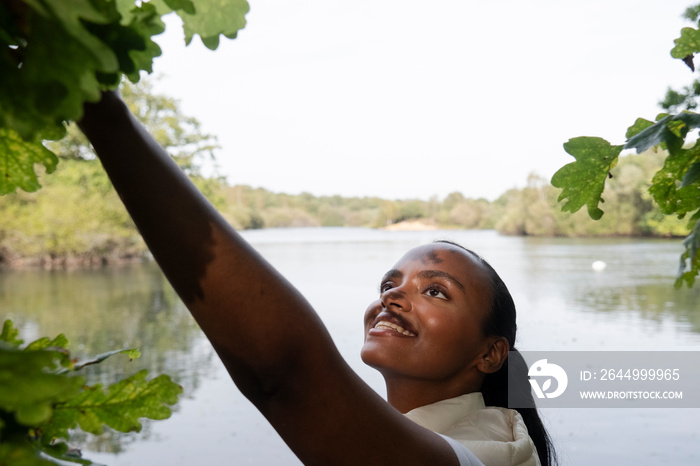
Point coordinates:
[(441, 274), (392, 274)]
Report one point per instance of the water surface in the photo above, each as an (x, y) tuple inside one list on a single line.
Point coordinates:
[(562, 305)]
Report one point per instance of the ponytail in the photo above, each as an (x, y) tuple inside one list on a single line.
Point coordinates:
[(495, 391)]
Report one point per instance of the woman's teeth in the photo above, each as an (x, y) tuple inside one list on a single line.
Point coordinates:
[(392, 326)]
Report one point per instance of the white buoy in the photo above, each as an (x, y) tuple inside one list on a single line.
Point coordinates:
[(598, 266)]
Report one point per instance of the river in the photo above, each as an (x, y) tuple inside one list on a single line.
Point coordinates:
[(563, 304)]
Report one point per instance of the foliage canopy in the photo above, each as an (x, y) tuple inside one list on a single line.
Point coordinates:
[(675, 187), (55, 56)]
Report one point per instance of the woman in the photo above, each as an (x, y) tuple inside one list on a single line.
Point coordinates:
[(430, 333)]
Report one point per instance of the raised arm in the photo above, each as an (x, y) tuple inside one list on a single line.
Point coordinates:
[(271, 341)]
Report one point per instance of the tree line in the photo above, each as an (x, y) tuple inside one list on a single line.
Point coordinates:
[(76, 218), (530, 211)]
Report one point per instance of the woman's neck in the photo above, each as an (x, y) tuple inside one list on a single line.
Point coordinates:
[(406, 394)]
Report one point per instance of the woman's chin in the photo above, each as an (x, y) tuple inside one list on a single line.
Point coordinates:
[(378, 355)]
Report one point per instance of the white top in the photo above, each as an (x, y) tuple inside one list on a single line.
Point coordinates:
[(496, 436), (465, 457)]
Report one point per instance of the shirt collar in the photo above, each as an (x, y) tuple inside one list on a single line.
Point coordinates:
[(439, 416)]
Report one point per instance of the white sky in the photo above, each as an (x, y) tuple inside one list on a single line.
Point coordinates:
[(410, 99)]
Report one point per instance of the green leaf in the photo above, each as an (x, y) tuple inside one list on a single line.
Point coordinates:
[(33, 414), (60, 65), (10, 334), (43, 343), (665, 183), (687, 44), (17, 159), (688, 199), (122, 40), (29, 389), (120, 407), (692, 175), (582, 182), (39, 406), (670, 130), (73, 49), (225, 17), (185, 5), (57, 74), (73, 15), (690, 260), (651, 136), (125, 8), (133, 353), (146, 23), (640, 125), (21, 453)]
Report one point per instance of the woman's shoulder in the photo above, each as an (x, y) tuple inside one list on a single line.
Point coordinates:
[(495, 435)]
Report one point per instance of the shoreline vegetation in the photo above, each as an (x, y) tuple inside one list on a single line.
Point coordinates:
[(77, 221)]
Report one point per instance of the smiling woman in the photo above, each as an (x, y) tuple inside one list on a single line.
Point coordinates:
[(441, 334), (435, 333), (436, 293)]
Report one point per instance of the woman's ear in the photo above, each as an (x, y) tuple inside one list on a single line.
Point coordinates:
[(495, 356)]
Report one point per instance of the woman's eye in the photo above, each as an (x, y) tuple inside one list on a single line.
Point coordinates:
[(435, 293)]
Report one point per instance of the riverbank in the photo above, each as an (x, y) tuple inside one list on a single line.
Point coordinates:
[(412, 225), (83, 261), (135, 254)]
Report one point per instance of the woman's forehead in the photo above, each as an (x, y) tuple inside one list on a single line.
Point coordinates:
[(443, 255)]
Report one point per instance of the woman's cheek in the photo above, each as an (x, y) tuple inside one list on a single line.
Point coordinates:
[(372, 310)]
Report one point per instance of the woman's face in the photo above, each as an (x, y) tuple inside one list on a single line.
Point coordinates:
[(427, 323)]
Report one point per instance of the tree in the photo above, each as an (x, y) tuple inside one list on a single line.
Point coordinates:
[(687, 98), (77, 216), (56, 56), (675, 187), (527, 211)]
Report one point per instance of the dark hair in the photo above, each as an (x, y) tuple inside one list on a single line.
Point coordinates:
[(501, 322)]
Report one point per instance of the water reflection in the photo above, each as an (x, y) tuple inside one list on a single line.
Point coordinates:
[(105, 309), (637, 281)]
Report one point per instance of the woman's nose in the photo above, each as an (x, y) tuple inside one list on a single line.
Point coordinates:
[(395, 298)]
